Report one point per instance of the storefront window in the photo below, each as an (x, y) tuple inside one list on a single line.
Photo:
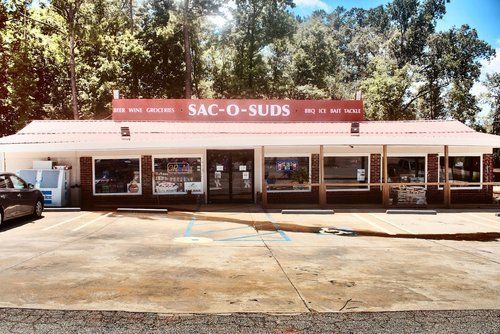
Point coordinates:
[(346, 170), (287, 170), (117, 176), (406, 169), (461, 170), (177, 176)]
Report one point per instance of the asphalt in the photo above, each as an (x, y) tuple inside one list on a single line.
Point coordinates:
[(13, 321)]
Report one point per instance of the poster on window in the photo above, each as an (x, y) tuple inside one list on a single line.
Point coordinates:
[(361, 175), (194, 187), (287, 165), (177, 175)]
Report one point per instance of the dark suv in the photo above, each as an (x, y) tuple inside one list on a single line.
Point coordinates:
[(17, 198)]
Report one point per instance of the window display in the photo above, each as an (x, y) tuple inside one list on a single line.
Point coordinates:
[(117, 176), (346, 170), (177, 176), (286, 170), (406, 169), (461, 170)]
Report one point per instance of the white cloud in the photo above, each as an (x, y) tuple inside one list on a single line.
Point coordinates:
[(312, 4)]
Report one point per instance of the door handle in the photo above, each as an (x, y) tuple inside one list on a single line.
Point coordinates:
[(19, 195), (3, 196)]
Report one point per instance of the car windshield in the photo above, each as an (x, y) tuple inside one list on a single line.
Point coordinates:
[(18, 183)]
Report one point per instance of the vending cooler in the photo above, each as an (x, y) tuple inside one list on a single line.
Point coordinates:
[(53, 183)]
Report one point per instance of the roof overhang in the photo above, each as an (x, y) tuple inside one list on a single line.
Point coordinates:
[(56, 136)]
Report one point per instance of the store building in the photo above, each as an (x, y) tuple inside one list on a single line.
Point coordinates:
[(170, 152)]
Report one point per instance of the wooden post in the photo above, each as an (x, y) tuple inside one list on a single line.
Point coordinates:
[(263, 180), (385, 187), (447, 188), (322, 188)]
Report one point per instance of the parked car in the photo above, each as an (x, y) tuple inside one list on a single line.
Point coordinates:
[(18, 198)]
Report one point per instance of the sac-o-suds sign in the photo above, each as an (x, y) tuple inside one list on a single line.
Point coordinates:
[(238, 110)]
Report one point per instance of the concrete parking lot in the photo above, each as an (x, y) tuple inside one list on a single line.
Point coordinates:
[(243, 259)]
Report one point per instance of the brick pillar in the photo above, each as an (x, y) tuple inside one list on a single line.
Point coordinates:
[(432, 170), (86, 182), (488, 176), (147, 175), (315, 168), (375, 169), (315, 177)]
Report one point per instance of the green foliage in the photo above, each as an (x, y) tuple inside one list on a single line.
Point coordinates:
[(392, 54), (386, 89), (493, 99), (300, 176)]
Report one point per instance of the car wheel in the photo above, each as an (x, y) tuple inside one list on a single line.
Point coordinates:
[(38, 209), (1, 217)]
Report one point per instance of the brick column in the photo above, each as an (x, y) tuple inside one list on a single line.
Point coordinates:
[(432, 170), (433, 193), (375, 169), (488, 176), (315, 177), (86, 182), (315, 168), (147, 175)]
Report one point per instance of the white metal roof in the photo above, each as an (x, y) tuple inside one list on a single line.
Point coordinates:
[(52, 135)]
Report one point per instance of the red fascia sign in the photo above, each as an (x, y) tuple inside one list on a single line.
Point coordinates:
[(238, 110)]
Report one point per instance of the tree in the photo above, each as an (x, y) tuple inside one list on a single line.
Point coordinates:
[(414, 22), (387, 90), (161, 36), (492, 84), (69, 10), (192, 11), (257, 24), (315, 56), (5, 112), (61, 59)]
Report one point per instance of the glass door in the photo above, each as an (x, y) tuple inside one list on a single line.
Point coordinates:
[(242, 176), (219, 177), (230, 176)]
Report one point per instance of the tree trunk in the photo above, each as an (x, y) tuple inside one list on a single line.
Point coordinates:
[(187, 53), (72, 70), (131, 13)]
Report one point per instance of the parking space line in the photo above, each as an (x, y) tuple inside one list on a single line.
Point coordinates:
[(187, 233), (92, 221), (372, 223), (277, 227), (67, 221), (390, 223), (193, 223), (223, 230), (239, 238)]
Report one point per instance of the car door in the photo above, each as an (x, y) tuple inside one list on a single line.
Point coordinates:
[(8, 198), (23, 196)]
